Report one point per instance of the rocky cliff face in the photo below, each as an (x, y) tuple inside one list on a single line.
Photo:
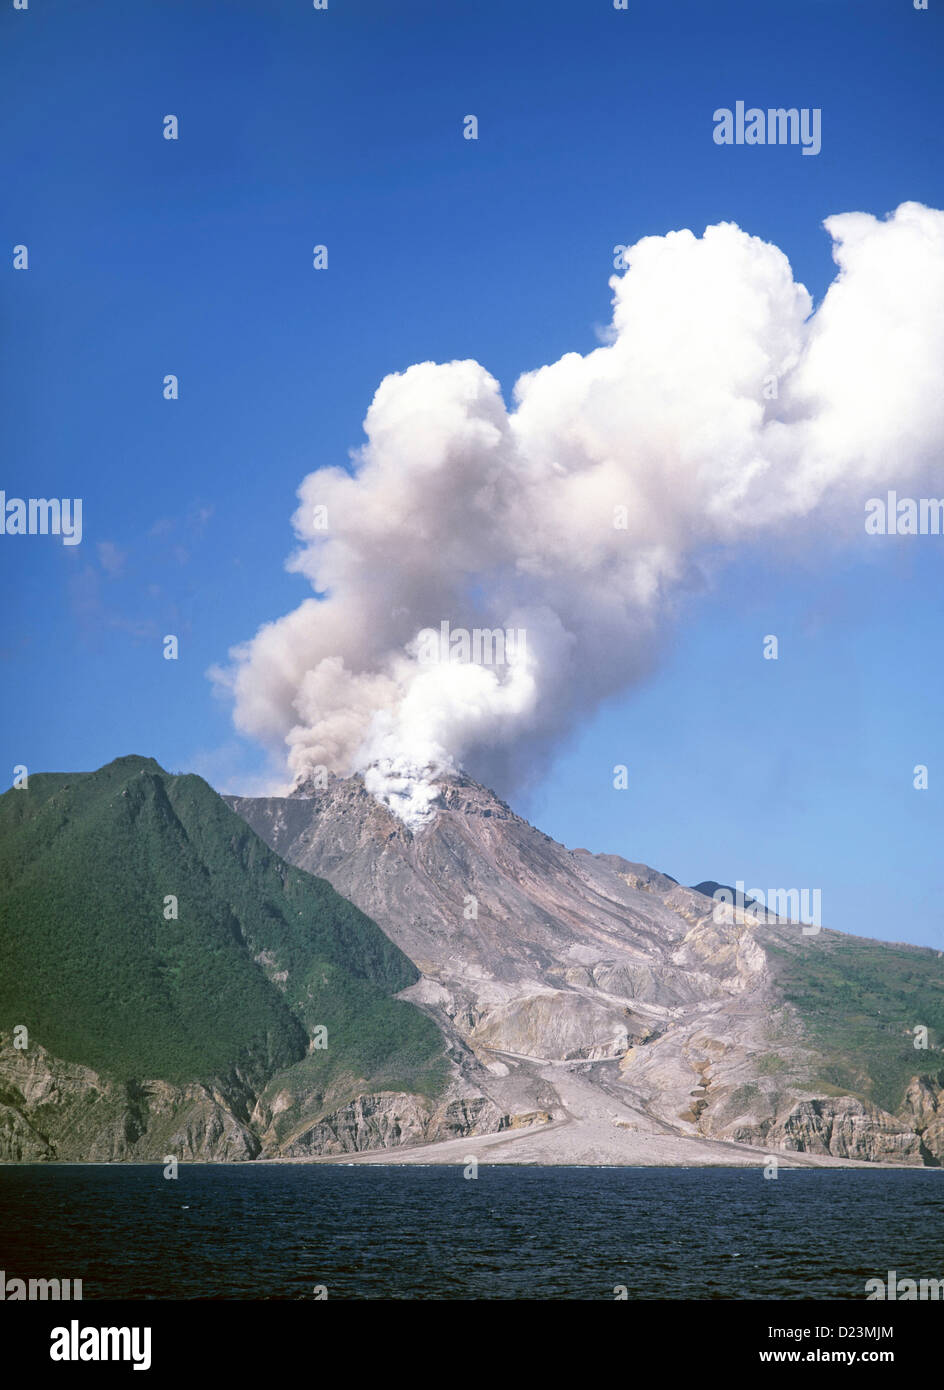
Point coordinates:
[(50, 1109), (537, 961), (54, 1110), (388, 1121)]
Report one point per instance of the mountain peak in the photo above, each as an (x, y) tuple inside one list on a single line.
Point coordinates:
[(461, 793), (414, 795)]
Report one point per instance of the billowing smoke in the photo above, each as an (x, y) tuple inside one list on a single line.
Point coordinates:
[(721, 413)]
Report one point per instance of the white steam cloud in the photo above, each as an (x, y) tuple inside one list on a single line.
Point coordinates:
[(461, 511)]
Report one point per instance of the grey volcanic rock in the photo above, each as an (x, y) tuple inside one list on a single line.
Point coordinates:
[(19, 1141), (846, 1128), (51, 1109), (923, 1110), (541, 963), (558, 1023), (389, 1120), (490, 908), (369, 1122)]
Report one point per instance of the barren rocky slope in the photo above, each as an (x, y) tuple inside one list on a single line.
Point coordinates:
[(605, 996)]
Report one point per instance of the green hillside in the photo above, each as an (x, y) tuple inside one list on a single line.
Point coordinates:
[(859, 1002), (259, 955)]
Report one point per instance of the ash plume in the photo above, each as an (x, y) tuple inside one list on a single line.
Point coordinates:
[(720, 413)]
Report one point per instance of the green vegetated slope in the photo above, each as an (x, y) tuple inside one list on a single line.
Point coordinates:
[(260, 952), (859, 1002)]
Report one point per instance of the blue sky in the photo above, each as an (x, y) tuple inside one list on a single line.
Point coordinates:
[(344, 127)]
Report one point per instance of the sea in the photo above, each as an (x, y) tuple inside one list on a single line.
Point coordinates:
[(302, 1232)]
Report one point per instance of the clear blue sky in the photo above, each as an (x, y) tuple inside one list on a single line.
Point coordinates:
[(344, 127)]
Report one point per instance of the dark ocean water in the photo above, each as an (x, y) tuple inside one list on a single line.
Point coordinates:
[(275, 1232)]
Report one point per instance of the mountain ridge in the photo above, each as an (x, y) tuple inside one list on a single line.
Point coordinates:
[(534, 956)]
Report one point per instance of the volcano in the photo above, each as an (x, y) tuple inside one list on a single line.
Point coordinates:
[(616, 1015)]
